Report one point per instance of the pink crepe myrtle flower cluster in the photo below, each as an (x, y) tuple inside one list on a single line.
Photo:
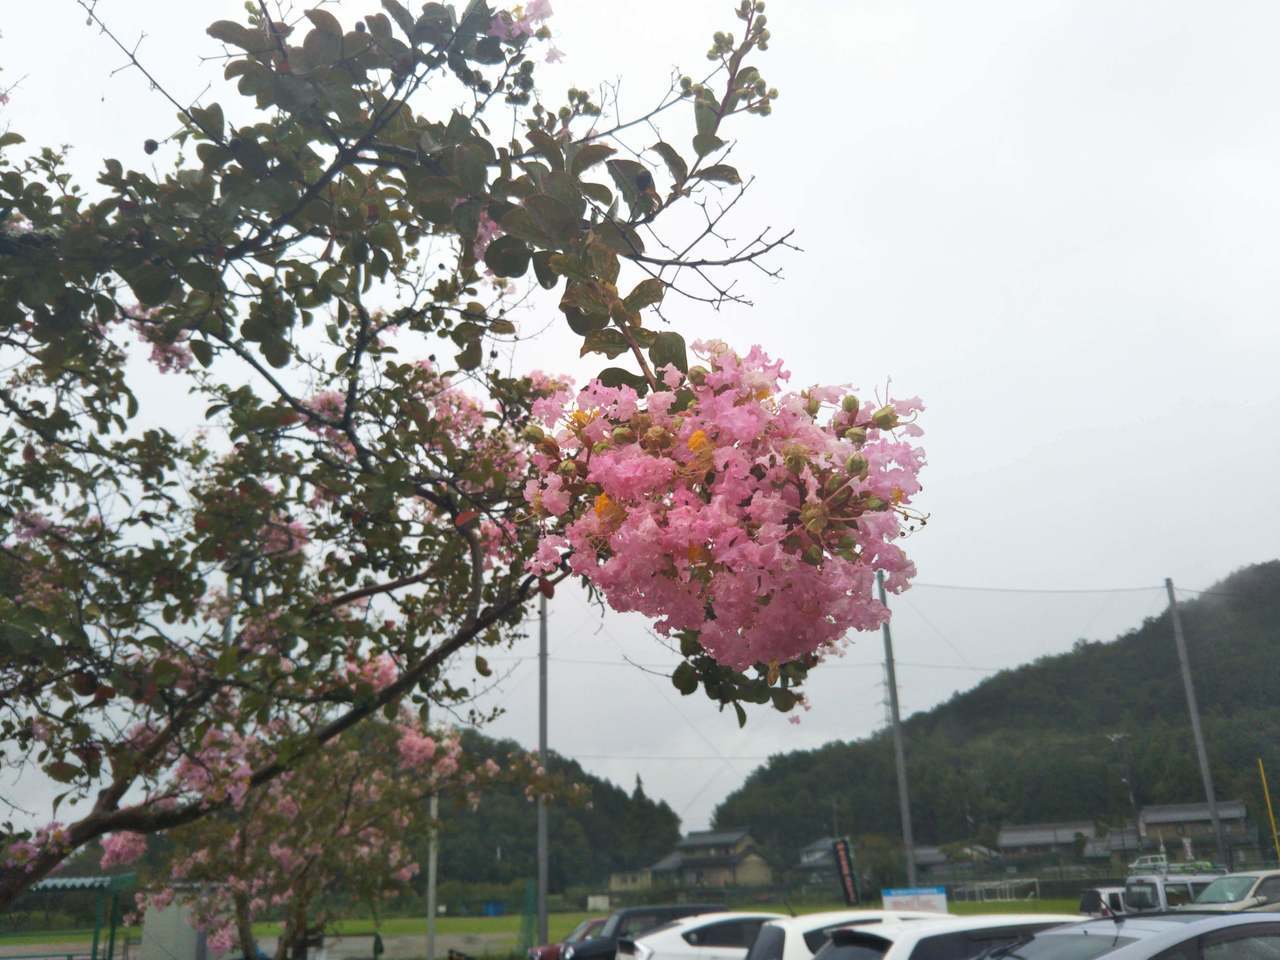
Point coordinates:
[(281, 537), (727, 508), (30, 524), (521, 22), (168, 355), (119, 849), (23, 853), (486, 232)]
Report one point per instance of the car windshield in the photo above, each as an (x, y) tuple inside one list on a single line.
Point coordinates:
[(583, 930), (1066, 946), (1226, 890), (1141, 896)]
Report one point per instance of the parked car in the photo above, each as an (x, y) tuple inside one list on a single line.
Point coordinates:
[(1181, 935), (799, 938), (1152, 863), (1102, 901), (631, 922), (583, 931), (707, 936), (1250, 890), (1159, 891), (946, 938)]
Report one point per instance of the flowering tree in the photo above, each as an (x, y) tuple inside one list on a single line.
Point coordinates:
[(343, 817), (327, 273)]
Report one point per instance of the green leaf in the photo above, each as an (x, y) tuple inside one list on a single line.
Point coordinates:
[(618, 377), (210, 119), (619, 237), (668, 347), (632, 178), (519, 222), (706, 116), (685, 678), (608, 341), (10, 139), (646, 294), (321, 47), (742, 714), (228, 31), (782, 699), (202, 350), (598, 192), (553, 217), (720, 172), (151, 284), (62, 771), (400, 15), (589, 156), (470, 164), (547, 277), (326, 21), (675, 163), (547, 145), (583, 323), (508, 256), (471, 356), (705, 143)]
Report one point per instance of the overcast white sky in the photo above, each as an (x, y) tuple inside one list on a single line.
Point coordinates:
[(1056, 221)]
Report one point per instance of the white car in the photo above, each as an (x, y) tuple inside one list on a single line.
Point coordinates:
[(948, 938), (799, 938), (707, 936)]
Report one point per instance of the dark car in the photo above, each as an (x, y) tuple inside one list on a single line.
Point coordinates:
[(631, 922), (583, 931)]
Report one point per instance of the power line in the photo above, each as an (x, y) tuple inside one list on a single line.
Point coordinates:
[(953, 586)]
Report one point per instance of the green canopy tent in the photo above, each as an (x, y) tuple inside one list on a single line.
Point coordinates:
[(107, 892)]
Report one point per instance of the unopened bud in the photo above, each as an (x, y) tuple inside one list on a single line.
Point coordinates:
[(856, 435), (812, 405), (875, 503), (849, 404), (856, 465), (698, 375), (813, 556), (657, 437), (834, 483), (567, 468), (601, 447), (549, 446), (886, 418), (641, 423), (533, 433), (623, 435)]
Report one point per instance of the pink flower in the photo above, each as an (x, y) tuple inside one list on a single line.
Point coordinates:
[(416, 748), (31, 524), (486, 232), (554, 55), (119, 849), (751, 517), (283, 537)]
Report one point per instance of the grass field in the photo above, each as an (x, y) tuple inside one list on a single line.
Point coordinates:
[(560, 923)]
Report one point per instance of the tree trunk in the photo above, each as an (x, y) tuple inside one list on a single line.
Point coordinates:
[(244, 927)]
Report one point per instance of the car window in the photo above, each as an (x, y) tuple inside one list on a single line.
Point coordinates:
[(1176, 894), (1116, 902), (727, 933), (1270, 889), (1090, 902), (967, 944), (768, 944), (1263, 944), (814, 939), (638, 923), (1068, 946), (1183, 951), (1141, 895), (855, 945), (1225, 890)]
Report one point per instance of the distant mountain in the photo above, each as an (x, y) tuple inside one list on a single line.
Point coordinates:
[(1032, 743)]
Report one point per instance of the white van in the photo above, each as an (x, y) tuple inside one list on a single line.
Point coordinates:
[(1102, 902), (1158, 891)]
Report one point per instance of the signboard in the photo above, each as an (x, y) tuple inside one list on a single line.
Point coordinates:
[(931, 899), (844, 868)]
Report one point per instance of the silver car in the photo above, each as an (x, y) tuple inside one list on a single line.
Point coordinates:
[(1167, 936)]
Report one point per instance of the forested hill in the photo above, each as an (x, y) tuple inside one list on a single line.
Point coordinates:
[(1030, 744)]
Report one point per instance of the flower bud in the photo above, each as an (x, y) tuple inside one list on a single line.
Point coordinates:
[(602, 446), (623, 435), (812, 405), (640, 423), (567, 468), (856, 465), (856, 435), (533, 433), (813, 517), (886, 418), (657, 438), (813, 556), (698, 375), (875, 503), (833, 483), (849, 404), (549, 446)]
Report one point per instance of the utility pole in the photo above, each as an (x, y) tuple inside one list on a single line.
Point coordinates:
[(904, 803), (542, 758), (1202, 755)]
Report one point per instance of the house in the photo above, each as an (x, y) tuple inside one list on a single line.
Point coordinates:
[(628, 881), (1030, 839), (714, 858), (1120, 844), (1193, 820)]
